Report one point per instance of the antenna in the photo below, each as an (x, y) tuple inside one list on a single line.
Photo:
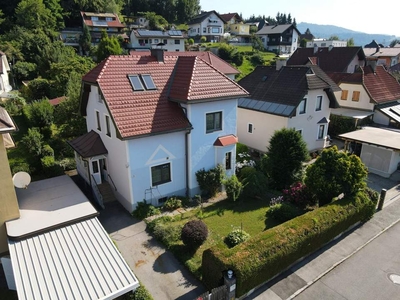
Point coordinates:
[(21, 180)]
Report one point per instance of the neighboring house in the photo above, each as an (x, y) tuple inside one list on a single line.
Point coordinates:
[(282, 39), (258, 25), (325, 43), (307, 36), (299, 97), (71, 37), (171, 40), (236, 27), (378, 148), (102, 21), (330, 59), (5, 86), (154, 120), (52, 246), (208, 24), (371, 91), (57, 101), (387, 57)]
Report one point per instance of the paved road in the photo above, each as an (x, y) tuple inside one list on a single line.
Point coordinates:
[(365, 275)]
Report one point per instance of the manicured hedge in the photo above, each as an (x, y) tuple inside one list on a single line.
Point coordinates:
[(262, 257)]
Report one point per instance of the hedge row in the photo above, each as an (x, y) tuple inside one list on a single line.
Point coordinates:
[(268, 254)]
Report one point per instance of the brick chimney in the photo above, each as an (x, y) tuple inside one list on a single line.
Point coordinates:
[(158, 54)]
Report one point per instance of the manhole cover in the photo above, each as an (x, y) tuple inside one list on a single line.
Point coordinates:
[(395, 278)]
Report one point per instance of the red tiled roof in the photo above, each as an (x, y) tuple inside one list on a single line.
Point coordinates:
[(137, 113), (57, 101), (382, 86), (195, 79), (211, 58), (114, 23), (226, 140)]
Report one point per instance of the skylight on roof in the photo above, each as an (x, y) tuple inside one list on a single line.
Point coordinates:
[(136, 83), (148, 82)]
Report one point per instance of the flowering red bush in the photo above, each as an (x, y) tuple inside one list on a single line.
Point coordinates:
[(299, 195)]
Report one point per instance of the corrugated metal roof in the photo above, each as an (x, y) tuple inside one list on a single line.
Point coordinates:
[(78, 261), (392, 111)]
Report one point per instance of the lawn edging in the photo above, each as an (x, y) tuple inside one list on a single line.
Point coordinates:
[(270, 253)]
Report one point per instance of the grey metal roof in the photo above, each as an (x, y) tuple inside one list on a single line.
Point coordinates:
[(158, 33), (266, 107), (78, 261)]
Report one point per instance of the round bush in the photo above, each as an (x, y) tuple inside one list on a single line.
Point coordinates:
[(236, 237), (283, 212), (194, 233)]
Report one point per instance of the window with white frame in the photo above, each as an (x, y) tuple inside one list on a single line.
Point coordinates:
[(98, 120), (108, 131), (318, 105), (213, 121), (161, 174), (250, 128), (303, 106), (300, 131), (321, 131)]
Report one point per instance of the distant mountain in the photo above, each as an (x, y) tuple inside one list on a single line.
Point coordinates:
[(360, 38)]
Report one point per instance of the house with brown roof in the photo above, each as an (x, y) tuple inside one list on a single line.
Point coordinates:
[(371, 91), (330, 59), (154, 119), (208, 24), (236, 27), (282, 39), (299, 97), (383, 55), (96, 22)]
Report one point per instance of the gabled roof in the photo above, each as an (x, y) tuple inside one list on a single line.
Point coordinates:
[(373, 44), (335, 59), (280, 92), (201, 17), (227, 17), (88, 145), (57, 100), (395, 68), (381, 86), (115, 22), (212, 59), (148, 112), (380, 52), (276, 29)]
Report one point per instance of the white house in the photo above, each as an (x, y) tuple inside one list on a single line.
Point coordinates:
[(208, 24), (282, 39), (5, 86), (171, 40), (154, 119), (299, 97), (325, 43)]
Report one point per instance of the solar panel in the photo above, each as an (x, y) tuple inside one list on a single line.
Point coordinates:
[(100, 23), (175, 33)]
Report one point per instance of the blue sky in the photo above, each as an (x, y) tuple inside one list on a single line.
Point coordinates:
[(370, 17)]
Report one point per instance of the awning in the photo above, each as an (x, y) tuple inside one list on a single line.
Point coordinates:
[(88, 145), (226, 140), (392, 111), (78, 261), (353, 113)]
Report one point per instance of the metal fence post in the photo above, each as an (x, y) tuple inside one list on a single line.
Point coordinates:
[(230, 282)]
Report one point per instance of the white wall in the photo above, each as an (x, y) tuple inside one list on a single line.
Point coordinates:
[(264, 126), (205, 27), (364, 102), (380, 118), (378, 160), (117, 158), (169, 46)]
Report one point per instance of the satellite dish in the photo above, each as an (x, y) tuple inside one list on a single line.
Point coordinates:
[(21, 180)]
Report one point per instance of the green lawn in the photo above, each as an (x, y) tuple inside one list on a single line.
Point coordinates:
[(221, 218)]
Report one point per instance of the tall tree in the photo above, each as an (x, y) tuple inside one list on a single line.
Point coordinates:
[(108, 46), (57, 12), (33, 14), (350, 42), (187, 9)]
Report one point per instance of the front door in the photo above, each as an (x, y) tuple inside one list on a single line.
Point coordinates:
[(95, 170), (103, 169)]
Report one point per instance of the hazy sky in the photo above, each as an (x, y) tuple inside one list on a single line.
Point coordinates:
[(379, 17)]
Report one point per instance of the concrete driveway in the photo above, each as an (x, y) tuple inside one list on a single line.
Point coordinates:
[(156, 268)]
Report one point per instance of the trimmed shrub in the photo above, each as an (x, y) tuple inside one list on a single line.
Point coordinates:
[(255, 182), (172, 204), (233, 187), (270, 253), (141, 293), (194, 233), (210, 181), (235, 237), (298, 194), (145, 210), (167, 233), (257, 60), (283, 212)]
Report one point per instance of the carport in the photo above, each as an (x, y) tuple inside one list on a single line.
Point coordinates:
[(380, 148)]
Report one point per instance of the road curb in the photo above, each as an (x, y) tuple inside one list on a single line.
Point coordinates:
[(299, 291)]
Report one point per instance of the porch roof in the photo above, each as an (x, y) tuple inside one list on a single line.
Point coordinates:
[(354, 113), (88, 145)]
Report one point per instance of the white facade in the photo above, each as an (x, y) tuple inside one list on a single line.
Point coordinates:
[(211, 27), (380, 160), (171, 43), (347, 97), (325, 43), (4, 80), (285, 43)]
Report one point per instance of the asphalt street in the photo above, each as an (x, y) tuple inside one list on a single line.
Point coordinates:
[(373, 273)]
